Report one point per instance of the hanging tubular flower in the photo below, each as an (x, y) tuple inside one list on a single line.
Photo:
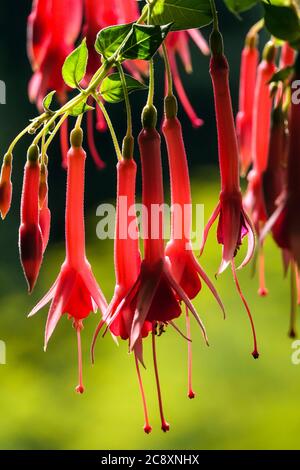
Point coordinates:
[(154, 299), (274, 178), (127, 266), (244, 120), (179, 250), (44, 214), (177, 43), (234, 224), (5, 185), (284, 221), (75, 292), (262, 109), (48, 44), (184, 266), (30, 236)]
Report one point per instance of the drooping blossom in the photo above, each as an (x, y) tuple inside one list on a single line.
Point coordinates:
[(244, 119), (30, 235), (288, 56), (183, 263), (154, 300), (5, 185), (254, 201), (127, 266), (75, 291), (234, 224)]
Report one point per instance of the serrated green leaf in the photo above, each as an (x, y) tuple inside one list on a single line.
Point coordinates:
[(144, 41), (110, 39), (74, 68), (112, 89), (80, 109), (48, 100), (282, 75), (238, 6), (183, 14), (282, 22)]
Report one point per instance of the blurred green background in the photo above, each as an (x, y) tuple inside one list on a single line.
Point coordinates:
[(240, 403)]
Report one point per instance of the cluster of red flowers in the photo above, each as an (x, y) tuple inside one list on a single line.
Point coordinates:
[(49, 44), (267, 125), (152, 290)]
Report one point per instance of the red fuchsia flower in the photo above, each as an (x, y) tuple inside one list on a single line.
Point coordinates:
[(244, 120), (262, 109), (127, 268), (75, 292), (184, 266), (234, 224), (284, 221), (5, 185), (274, 178), (44, 214), (49, 44), (178, 43), (254, 201), (30, 236), (154, 300)]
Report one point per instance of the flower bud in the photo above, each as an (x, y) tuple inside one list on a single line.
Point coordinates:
[(5, 185)]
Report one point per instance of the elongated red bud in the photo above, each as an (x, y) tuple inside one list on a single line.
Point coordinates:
[(30, 236), (44, 214), (5, 185)]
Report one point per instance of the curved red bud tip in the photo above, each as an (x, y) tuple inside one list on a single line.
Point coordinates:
[(31, 252), (165, 426), (292, 333), (79, 389), (263, 292), (147, 428), (191, 394), (255, 354)]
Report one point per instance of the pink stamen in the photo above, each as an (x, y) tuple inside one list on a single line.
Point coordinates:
[(298, 285), (78, 326), (147, 427), (255, 352), (262, 291), (191, 393), (101, 125), (199, 40), (195, 120), (64, 143), (91, 142), (164, 425)]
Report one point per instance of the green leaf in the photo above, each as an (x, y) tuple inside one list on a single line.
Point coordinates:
[(238, 6), (184, 14), (282, 22), (110, 39), (80, 109), (74, 68), (144, 41), (112, 89), (48, 100), (282, 75)]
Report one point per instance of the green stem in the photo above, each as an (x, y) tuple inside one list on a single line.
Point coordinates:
[(168, 70), (19, 137), (110, 127), (215, 15), (127, 102), (150, 99), (54, 132)]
